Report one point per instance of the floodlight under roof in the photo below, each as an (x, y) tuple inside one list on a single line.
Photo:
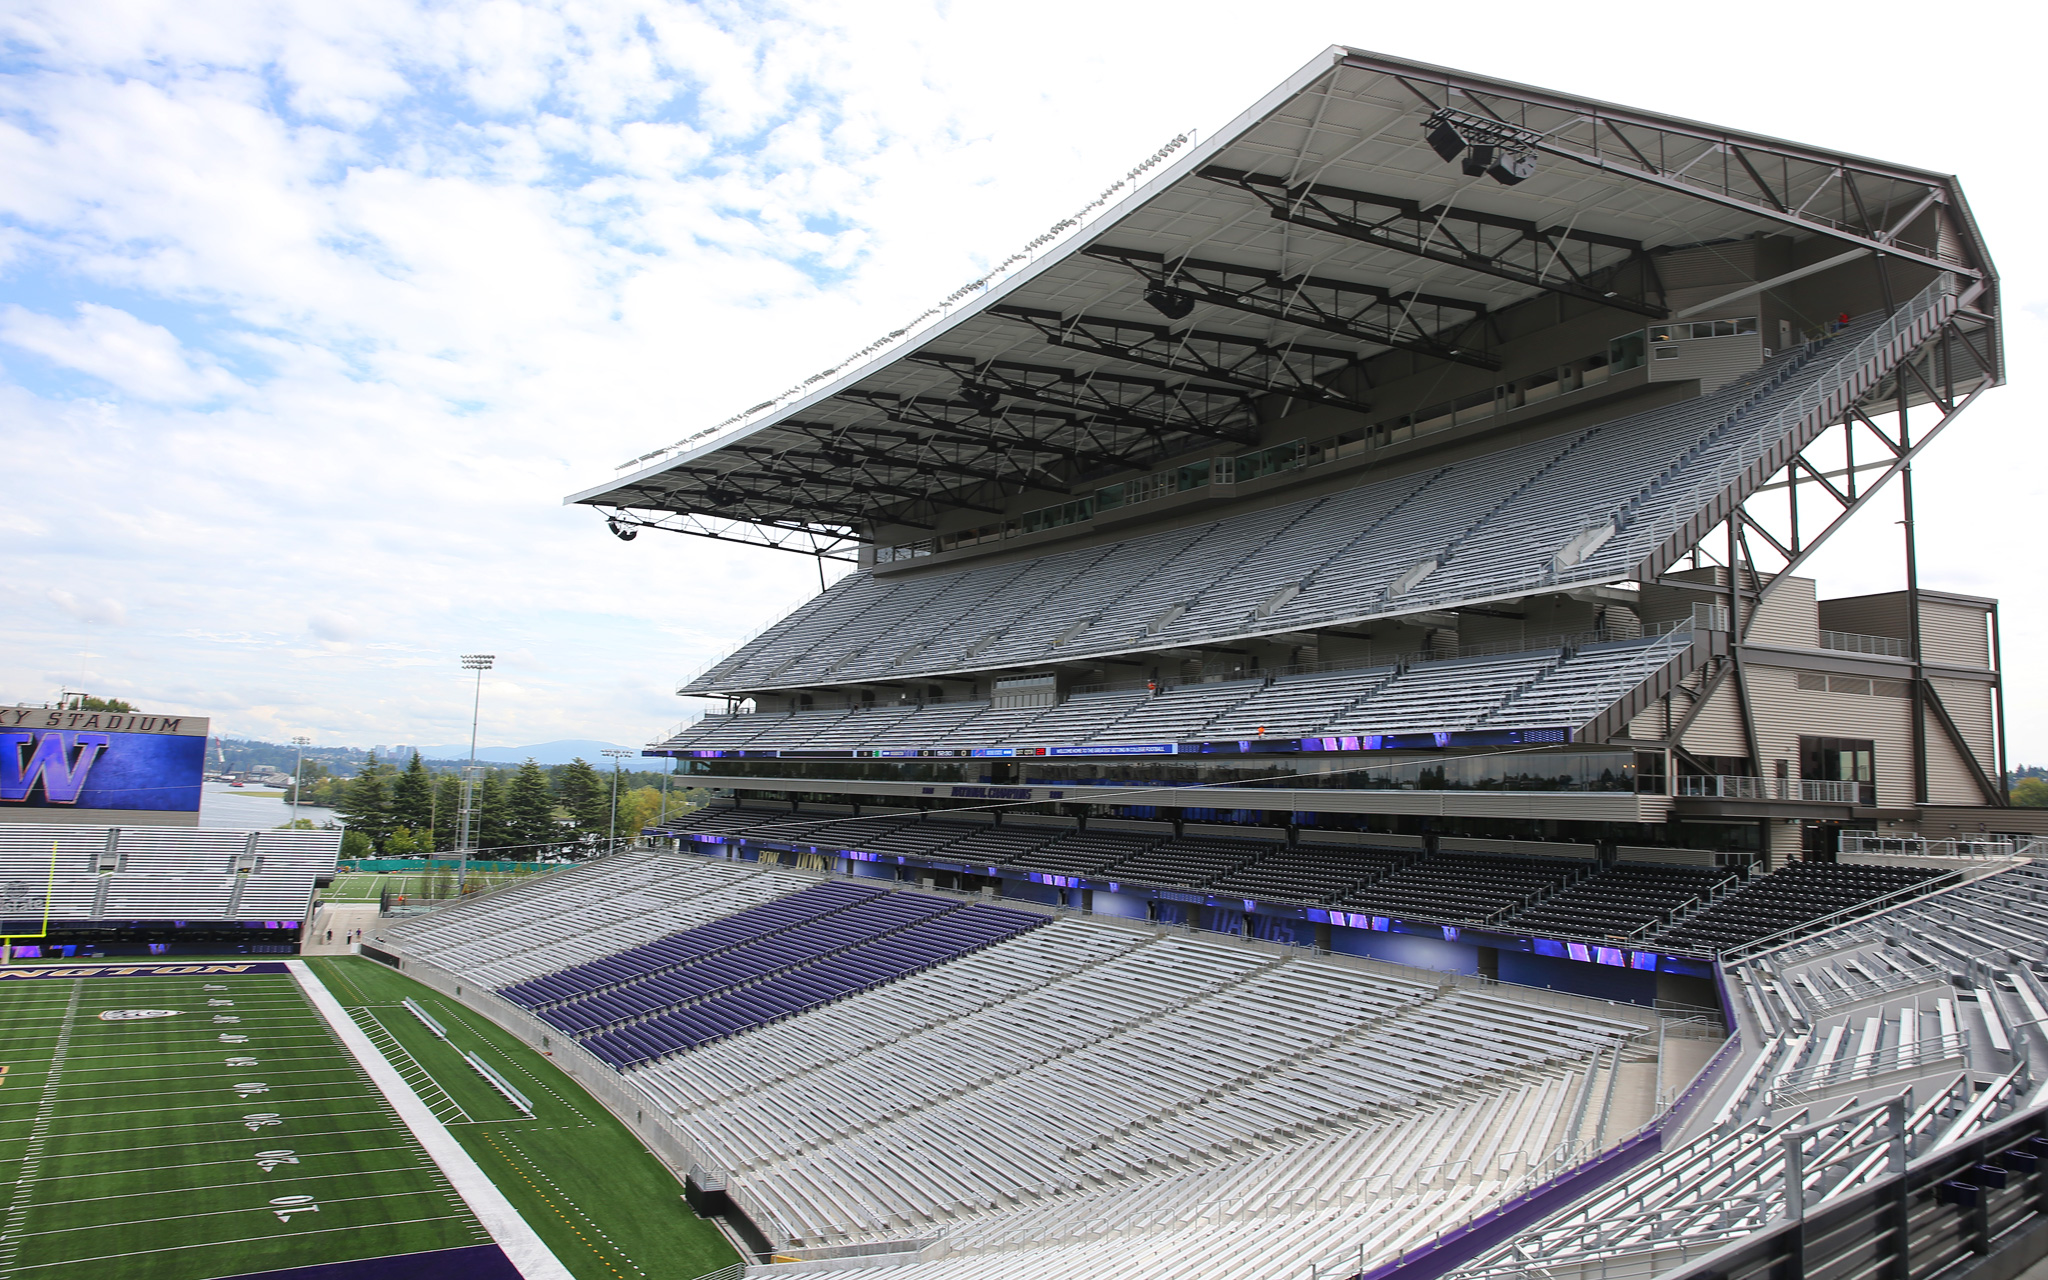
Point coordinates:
[(1170, 303)]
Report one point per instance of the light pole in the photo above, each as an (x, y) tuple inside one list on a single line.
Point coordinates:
[(298, 768), (615, 753), (479, 663)]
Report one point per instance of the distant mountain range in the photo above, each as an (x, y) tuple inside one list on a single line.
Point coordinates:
[(561, 752)]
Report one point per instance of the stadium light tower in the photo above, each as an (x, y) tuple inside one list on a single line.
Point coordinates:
[(298, 765), (615, 753), (479, 663)]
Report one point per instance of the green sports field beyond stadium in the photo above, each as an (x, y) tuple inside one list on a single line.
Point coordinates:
[(369, 886), (209, 1125)]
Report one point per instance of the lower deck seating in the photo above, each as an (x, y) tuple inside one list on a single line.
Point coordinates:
[(548, 923), (870, 944), (1087, 1056)]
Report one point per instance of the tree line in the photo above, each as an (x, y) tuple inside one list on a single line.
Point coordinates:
[(521, 814)]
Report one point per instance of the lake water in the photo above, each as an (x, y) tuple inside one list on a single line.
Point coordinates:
[(236, 809)]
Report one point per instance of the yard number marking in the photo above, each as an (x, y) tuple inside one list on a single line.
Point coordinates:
[(268, 1160), (225, 1038), (285, 1206), (218, 1017), (249, 1087), (240, 1062), (257, 1120)]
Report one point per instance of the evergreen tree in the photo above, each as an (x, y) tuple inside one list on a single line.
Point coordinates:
[(447, 812), (412, 796), (530, 812), (365, 803), (586, 797), (490, 827)]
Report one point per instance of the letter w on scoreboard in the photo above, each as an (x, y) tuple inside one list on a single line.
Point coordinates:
[(60, 761)]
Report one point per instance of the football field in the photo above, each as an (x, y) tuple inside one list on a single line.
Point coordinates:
[(196, 1125), (607, 1208)]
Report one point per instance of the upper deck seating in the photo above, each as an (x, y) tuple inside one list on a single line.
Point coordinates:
[(1299, 704), (1537, 688), (1593, 679), (1176, 714), (1493, 524), (1453, 694)]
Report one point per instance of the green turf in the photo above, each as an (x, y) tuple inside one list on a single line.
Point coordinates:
[(137, 1148), (608, 1208), (369, 886)]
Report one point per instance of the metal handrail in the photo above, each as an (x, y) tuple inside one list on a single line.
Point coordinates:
[(1854, 642)]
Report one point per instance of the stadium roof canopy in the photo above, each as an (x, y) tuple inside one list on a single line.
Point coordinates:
[(1259, 271)]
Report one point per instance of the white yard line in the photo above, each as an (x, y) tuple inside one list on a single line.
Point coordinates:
[(527, 1250)]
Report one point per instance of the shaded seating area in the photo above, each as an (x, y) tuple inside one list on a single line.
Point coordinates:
[(1801, 893), (1625, 901), (1465, 888)]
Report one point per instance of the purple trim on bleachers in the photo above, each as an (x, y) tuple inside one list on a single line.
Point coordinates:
[(1456, 1247), (928, 939), (687, 945), (1491, 1229)]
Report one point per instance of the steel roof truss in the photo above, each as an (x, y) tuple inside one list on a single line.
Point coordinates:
[(1151, 405), (1775, 181), (928, 459), (740, 489), (1511, 249), (1290, 369), (1367, 312), (822, 541), (993, 428)]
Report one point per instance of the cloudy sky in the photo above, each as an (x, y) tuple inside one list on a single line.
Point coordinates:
[(310, 313)]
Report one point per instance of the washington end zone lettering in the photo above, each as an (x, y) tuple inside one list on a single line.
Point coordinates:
[(60, 761), (71, 768)]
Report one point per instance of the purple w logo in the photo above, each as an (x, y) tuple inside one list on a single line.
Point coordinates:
[(60, 761)]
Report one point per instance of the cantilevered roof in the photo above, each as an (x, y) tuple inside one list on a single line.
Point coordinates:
[(1318, 230)]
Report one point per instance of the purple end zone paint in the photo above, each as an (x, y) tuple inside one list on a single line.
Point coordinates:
[(471, 1262)]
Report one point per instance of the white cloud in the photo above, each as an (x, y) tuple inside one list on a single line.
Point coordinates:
[(145, 360), (483, 251), (100, 611)]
